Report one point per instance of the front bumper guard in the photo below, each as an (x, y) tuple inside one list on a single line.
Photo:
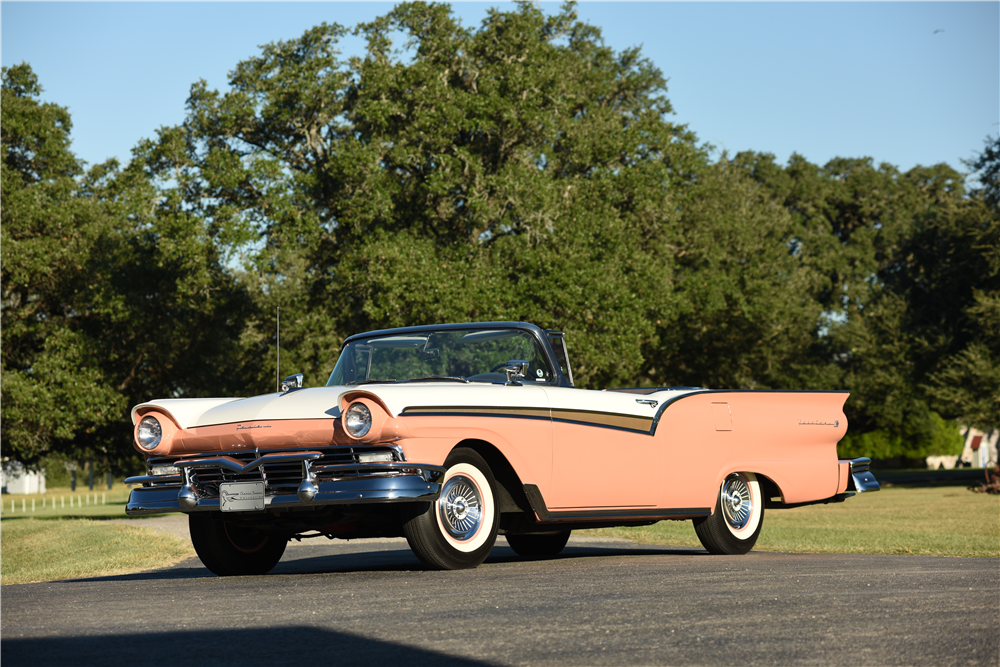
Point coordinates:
[(407, 483)]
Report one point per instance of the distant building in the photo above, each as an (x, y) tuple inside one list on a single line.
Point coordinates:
[(980, 450), (15, 478)]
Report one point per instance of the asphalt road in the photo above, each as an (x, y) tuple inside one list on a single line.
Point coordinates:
[(599, 603)]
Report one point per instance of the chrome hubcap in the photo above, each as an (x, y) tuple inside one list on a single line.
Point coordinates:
[(737, 504), (460, 507)]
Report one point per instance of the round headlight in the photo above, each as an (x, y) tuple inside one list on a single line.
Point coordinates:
[(358, 420), (149, 432)]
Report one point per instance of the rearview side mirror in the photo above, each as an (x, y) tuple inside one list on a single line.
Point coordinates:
[(515, 370), (291, 382)]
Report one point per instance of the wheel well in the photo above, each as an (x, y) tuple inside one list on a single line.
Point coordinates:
[(511, 490), (768, 488)]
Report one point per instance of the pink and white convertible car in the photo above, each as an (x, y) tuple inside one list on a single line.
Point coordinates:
[(452, 434)]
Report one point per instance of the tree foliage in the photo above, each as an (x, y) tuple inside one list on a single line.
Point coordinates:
[(111, 293), (519, 171), (516, 170), (908, 266)]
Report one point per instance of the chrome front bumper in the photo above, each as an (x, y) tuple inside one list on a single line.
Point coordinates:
[(418, 483)]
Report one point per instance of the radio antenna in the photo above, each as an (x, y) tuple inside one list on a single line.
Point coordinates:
[(277, 344)]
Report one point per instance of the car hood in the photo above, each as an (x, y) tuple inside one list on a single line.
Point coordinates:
[(324, 402), (306, 403)]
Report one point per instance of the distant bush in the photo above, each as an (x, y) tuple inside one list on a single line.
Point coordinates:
[(938, 437)]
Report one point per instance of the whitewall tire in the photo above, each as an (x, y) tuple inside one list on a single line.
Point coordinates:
[(739, 515), (458, 530)]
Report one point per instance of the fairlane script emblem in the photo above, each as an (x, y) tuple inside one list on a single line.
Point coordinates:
[(833, 424), (241, 427)]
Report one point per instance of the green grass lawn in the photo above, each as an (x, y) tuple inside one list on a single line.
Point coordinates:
[(48, 549), (924, 520), (66, 503)]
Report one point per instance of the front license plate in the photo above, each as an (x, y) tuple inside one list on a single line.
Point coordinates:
[(241, 496)]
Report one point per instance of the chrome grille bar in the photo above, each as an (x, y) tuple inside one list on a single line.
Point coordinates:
[(281, 471)]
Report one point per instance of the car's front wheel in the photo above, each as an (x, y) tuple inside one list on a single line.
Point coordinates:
[(738, 517), (458, 530), (228, 549), (530, 546)]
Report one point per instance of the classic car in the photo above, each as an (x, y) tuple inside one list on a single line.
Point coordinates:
[(452, 434)]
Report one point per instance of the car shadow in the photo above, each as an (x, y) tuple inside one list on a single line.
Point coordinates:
[(398, 560), (243, 646), (598, 550)]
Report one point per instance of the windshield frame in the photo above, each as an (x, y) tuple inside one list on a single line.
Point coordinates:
[(539, 335)]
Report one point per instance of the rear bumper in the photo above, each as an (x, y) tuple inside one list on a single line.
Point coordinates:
[(423, 485), (855, 478), (861, 479)]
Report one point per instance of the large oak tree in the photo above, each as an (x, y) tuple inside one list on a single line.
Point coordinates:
[(111, 293)]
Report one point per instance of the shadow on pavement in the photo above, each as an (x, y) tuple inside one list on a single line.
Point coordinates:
[(245, 646), (598, 550), (359, 560)]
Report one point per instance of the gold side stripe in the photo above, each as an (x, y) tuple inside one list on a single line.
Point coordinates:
[(604, 419), (579, 416)]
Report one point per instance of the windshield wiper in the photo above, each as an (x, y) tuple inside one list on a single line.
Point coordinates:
[(439, 377), (368, 382)]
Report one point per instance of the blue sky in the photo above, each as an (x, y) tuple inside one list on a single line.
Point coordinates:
[(850, 79)]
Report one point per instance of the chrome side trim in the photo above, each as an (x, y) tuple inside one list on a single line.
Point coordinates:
[(862, 480), (477, 411), (610, 420), (770, 504), (546, 515)]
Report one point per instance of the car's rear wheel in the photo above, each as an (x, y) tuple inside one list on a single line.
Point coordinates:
[(738, 517), (458, 530), (228, 549), (529, 546)]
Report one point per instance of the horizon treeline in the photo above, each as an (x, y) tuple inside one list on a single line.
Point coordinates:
[(519, 170)]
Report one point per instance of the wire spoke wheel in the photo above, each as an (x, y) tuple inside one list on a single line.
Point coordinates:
[(739, 514), (737, 502), (460, 507)]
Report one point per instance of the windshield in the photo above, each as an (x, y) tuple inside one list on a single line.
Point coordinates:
[(459, 356)]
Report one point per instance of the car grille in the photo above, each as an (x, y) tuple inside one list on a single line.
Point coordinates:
[(283, 476)]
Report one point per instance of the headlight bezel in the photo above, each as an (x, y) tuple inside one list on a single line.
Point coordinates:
[(362, 420), (154, 433)]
